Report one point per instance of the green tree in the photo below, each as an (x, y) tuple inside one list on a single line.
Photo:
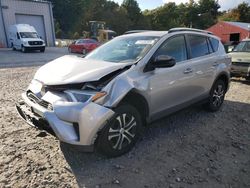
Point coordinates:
[(208, 13), (241, 14), (165, 17), (58, 30), (133, 12), (244, 12), (115, 16)]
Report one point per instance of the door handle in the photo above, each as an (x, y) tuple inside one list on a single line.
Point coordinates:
[(215, 64), (188, 70)]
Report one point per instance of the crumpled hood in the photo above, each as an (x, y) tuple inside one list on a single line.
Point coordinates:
[(240, 56), (72, 69)]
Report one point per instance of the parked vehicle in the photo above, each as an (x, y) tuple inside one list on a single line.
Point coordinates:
[(83, 46), (99, 32), (24, 37), (104, 99), (241, 60)]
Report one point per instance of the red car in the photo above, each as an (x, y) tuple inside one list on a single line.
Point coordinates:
[(83, 46)]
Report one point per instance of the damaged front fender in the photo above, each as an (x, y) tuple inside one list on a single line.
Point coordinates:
[(123, 84)]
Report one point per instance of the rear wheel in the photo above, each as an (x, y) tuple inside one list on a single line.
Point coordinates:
[(121, 132), (84, 51), (217, 95), (12, 46)]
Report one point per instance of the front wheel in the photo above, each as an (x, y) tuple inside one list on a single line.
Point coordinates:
[(42, 50), (23, 49), (121, 132), (217, 95)]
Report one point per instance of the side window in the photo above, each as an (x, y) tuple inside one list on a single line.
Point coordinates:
[(79, 41), (247, 47), (214, 43), (174, 47), (198, 46)]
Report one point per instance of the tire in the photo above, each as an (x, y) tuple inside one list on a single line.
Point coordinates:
[(12, 46), (23, 49), (42, 50), (84, 51), (121, 132), (217, 95), (247, 78)]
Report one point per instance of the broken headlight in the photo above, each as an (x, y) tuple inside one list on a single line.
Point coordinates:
[(84, 96)]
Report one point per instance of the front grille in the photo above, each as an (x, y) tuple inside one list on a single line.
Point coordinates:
[(39, 101), (242, 64), (33, 43)]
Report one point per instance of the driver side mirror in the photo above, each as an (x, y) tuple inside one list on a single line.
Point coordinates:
[(160, 61), (163, 61)]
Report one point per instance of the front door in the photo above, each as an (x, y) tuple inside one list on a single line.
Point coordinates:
[(170, 87)]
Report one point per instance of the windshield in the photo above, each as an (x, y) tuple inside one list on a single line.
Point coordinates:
[(243, 47), (123, 49), (28, 35)]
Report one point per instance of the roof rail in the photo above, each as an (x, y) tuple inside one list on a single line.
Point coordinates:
[(188, 29)]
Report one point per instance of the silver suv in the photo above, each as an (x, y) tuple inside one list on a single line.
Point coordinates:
[(105, 98)]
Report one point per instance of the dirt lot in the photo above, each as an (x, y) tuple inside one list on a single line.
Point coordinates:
[(192, 148)]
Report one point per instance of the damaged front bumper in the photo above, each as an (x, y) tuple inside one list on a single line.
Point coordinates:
[(74, 123)]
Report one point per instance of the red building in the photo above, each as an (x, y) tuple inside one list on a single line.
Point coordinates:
[(231, 31)]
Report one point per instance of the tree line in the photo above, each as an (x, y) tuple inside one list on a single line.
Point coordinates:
[(72, 16)]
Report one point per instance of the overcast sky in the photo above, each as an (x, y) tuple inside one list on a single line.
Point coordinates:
[(150, 4)]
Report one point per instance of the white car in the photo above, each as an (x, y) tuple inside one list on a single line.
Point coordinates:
[(241, 60), (24, 37), (104, 99)]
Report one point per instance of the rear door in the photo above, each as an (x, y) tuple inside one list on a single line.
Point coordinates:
[(203, 63), (77, 46)]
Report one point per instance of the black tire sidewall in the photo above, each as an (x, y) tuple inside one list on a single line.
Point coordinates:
[(42, 50), (103, 144)]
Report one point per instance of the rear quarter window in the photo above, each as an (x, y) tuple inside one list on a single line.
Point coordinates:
[(214, 43)]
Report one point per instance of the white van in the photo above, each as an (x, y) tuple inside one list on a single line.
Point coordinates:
[(24, 37)]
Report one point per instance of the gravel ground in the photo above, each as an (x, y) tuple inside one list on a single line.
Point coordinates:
[(11, 59), (192, 148)]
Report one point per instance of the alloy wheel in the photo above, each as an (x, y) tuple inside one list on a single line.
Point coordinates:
[(123, 131), (218, 95)]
